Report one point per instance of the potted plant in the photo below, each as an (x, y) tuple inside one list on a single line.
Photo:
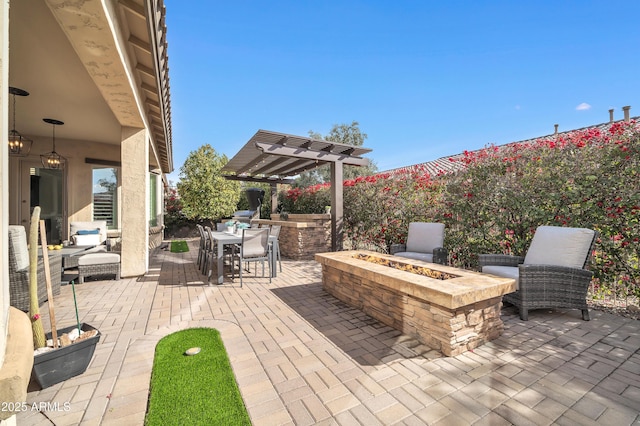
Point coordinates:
[(230, 226), (71, 353)]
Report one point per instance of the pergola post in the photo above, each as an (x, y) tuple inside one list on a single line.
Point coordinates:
[(337, 210), (274, 198)]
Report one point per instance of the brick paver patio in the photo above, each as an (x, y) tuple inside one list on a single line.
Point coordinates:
[(302, 357)]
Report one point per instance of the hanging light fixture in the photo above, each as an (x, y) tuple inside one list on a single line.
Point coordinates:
[(53, 160), (18, 144)]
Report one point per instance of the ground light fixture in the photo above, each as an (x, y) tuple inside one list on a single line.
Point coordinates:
[(53, 160), (18, 144)]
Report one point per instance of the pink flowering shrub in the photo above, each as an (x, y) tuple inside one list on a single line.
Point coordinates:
[(588, 178)]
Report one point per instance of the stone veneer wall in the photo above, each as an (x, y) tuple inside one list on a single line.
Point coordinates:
[(302, 235), (452, 332)]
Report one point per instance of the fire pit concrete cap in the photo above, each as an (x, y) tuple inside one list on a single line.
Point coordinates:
[(467, 288)]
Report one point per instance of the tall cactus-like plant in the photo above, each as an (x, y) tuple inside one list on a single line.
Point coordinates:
[(39, 340)]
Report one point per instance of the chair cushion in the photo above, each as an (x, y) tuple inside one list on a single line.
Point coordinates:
[(19, 254), (427, 257), (86, 240), (88, 231), (98, 259), (424, 237), (559, 246), (75, 229), (503, 271)]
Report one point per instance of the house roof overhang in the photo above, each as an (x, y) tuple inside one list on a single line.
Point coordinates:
[(98, 66), (273, 157)]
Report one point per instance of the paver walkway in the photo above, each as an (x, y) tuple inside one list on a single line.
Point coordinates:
[(302, 357)]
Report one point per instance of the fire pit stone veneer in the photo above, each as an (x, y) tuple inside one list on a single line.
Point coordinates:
[(452, 315)]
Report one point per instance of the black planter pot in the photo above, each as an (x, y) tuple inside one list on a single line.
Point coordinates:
[(61, 364)]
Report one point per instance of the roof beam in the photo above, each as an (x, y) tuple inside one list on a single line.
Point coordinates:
[(133, 7), (259, 179), (291, 166), (140, 44), (286, 151), (250, 164)]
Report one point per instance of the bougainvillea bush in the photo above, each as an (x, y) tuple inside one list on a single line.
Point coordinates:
[(588, 178)]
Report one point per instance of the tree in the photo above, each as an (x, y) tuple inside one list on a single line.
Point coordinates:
[(348, 134), (204, 192)]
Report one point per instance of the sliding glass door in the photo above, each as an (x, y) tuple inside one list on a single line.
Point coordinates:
[(45, 188)]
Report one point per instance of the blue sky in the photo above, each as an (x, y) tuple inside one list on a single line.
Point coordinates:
[(424, 79)]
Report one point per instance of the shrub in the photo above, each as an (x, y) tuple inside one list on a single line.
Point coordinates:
[(587, 178)]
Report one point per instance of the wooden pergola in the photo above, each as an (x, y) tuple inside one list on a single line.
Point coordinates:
[(274, 158)]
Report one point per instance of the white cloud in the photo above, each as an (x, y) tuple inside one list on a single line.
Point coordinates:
[(583, 107)]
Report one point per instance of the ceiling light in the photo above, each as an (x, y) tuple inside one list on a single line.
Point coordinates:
[(53, 160), (18, 144)]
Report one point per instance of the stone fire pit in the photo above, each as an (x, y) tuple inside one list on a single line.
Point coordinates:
[(453, 312)]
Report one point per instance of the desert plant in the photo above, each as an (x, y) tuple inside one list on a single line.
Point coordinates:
[(39, 340)]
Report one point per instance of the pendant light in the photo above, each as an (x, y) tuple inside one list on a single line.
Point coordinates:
[(18, 144), (53, 160)]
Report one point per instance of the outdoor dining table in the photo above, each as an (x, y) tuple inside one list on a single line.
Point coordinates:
[(226, 238)]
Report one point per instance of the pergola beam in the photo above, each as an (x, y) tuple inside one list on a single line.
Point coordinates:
[(296, 152), (260, 179), (271, 156)]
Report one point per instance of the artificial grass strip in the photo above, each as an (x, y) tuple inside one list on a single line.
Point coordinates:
[(179, 246), (194, 390)]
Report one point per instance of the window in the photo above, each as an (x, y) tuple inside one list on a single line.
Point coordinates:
[(105, 195), (153, 200)]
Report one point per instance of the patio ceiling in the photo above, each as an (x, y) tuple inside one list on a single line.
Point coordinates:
[(64, 54), (272, 157)]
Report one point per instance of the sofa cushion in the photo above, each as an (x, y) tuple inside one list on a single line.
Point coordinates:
[(426, 257), (76, 227), (98, 259), (19, 254), (423, 237), (86, 240), (503, 271), (559, 246)]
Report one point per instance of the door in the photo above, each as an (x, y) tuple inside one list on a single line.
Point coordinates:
[(45, 188)]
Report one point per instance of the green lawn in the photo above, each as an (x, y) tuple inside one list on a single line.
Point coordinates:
[(194, 390), (179, 247)]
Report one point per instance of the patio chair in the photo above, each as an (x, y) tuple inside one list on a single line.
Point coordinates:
[(425, 241), (275, 246), (87, 234), (213, 250), (19, 271), (254, 248), (203, 248), (552, 274)]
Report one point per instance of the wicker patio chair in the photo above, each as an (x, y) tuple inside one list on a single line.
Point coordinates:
[(19, 271), (425, 241), (552, 274)]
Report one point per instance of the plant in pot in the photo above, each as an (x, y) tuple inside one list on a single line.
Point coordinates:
[(231, 224), (70, 354)]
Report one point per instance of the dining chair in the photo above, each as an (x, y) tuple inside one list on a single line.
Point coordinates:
[(201, 247), (253, 248), (275, 246), (213, 253)]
